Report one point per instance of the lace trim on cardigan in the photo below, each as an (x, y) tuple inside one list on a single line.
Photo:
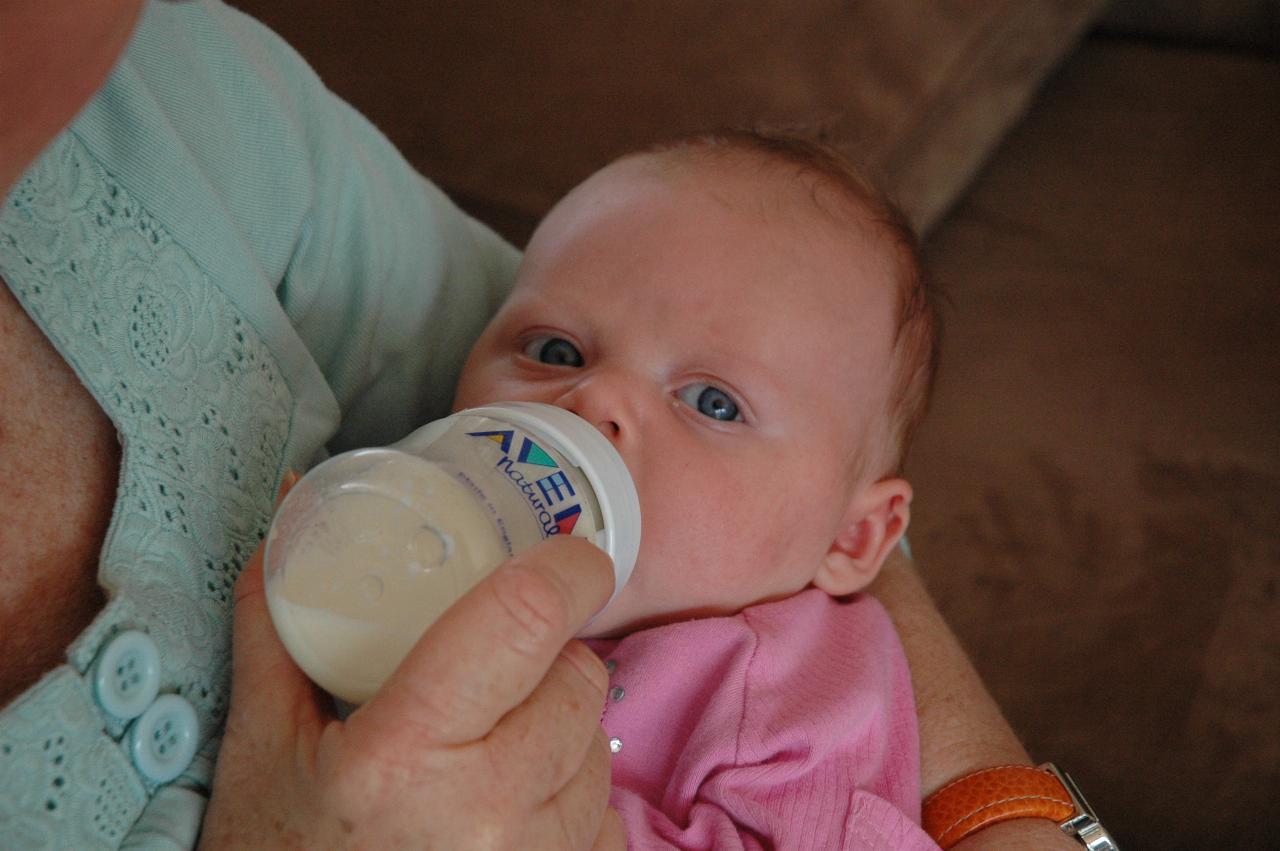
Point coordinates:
[(203, 411)]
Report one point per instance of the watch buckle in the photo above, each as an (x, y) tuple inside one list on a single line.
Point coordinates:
[(1084, 825)]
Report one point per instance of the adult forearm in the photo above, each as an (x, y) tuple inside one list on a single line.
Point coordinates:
[(961, 727)]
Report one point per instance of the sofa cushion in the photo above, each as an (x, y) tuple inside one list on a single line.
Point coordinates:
[(1097, 484), (1241, 24), (510, 104)]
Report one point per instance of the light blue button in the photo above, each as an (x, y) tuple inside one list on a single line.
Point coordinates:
[(126, 675), (163, 741)]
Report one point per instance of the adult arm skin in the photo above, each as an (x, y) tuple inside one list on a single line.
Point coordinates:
[(961, 727), (54, 54)]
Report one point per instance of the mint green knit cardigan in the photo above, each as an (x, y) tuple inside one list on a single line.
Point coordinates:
[(242, 271)]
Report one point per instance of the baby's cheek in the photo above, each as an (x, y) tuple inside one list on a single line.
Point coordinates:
[(702, 514), (792, 532)]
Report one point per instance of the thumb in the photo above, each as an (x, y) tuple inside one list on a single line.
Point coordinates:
[(268, 689)]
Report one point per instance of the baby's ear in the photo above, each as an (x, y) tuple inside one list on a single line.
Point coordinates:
[(876, 520)]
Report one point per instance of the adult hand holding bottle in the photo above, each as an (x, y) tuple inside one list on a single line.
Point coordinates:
[(486, 736)]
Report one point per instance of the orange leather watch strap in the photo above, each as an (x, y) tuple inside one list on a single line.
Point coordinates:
[(972, 802)]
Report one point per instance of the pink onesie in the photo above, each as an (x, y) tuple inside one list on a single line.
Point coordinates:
[(790, 725)]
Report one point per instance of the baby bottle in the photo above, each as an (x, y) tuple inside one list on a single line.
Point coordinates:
[(371, 546)]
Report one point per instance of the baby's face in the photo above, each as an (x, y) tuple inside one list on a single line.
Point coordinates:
[(732, 345)]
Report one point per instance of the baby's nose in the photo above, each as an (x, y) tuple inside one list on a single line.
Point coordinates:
[(597, 403), (605, 424)]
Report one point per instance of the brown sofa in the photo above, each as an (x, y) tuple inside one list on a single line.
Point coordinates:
[(1098, 486)]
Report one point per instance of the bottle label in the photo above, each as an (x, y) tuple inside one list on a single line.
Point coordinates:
[(530, 489)]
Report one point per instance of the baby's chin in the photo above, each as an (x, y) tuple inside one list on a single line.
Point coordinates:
[(607, 623), (619, 619)]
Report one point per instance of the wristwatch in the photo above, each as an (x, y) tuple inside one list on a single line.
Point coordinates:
[(991, 795)]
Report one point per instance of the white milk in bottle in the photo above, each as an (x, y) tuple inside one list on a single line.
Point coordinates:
[(371, 546)]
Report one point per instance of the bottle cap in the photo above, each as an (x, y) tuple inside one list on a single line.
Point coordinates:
[(586, 448)]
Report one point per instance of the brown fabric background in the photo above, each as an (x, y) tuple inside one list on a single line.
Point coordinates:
[(1099, 480), (508, 105), (1097, 486)]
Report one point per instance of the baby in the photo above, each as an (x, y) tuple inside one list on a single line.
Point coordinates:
[(746, 320)]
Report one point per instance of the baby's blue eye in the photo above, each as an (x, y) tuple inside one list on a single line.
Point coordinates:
[(710, 401), (556, 351)]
